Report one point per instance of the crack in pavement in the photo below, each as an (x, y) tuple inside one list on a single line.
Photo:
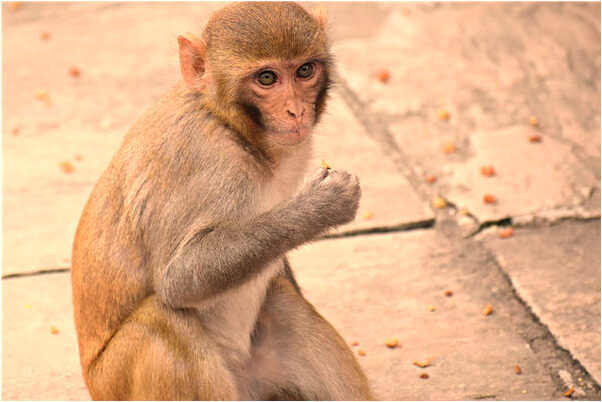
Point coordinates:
[(381, 134), (538, 336), (544, 343), (42, 271)]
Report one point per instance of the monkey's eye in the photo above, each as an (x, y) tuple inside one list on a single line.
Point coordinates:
[(305, 70), (266, 78)]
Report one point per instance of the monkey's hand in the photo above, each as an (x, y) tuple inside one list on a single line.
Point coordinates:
[(331, 197)]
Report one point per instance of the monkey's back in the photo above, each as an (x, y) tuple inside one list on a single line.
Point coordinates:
[(158, 182)]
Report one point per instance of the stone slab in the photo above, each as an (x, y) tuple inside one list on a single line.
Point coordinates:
[(556, 271), (388, 200), (529, 177), (41, 204), (379, 286), (86, 117), (491, 66), (537, 59), (38, 365), (369, 287)]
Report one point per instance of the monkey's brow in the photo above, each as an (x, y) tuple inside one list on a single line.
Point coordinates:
[(295, 63)]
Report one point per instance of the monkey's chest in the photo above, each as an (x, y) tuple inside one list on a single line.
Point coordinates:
[(231, 319)]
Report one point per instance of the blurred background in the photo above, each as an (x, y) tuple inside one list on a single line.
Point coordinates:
[(474, 128)]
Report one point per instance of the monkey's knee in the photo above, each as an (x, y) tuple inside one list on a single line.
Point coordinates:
[(315, 360), (160, 354)]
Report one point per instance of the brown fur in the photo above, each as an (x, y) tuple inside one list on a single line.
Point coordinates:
[(180, 286)]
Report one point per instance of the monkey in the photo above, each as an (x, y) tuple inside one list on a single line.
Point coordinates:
[(181, 286)]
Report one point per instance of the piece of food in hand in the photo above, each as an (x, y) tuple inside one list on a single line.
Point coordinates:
[(325, 165), (533, 121), (361, 352)]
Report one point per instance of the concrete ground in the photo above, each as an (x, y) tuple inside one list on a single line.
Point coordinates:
[(470, 85)]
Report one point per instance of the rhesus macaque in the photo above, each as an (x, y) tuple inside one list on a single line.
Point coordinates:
[(181, 287)]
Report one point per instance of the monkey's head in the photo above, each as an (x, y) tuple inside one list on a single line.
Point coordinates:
[(263, 68)]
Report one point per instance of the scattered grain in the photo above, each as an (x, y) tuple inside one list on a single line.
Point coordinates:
[(423, 363), (449, 148), (14, 5), (489, 199), (74, 71), (439, 202), (442, 114), (488, 309), (505, 232), (392, 342), (66, 167), (383, 76), (487, 171)]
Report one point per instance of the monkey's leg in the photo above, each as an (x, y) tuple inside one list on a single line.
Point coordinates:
[(300, 355), (160, 354)]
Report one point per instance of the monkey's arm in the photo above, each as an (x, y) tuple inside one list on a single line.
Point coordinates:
[(212, 260)]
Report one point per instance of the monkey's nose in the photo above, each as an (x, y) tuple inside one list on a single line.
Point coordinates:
[(296, 113)]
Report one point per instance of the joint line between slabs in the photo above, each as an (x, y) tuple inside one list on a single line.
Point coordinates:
[(39, 272)]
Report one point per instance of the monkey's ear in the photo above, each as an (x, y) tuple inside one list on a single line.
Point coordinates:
[(192, 62), (320, 16)]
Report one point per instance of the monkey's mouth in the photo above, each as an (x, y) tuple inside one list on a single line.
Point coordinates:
[(297, 130), (293, 135)]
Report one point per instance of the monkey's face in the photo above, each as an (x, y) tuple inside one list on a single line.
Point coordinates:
[(282, 98)]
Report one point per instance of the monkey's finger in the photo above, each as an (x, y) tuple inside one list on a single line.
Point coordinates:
[(321, 173)]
